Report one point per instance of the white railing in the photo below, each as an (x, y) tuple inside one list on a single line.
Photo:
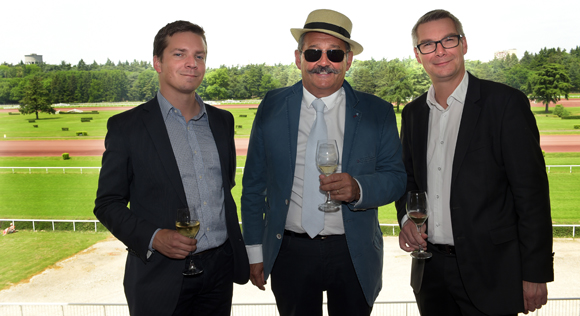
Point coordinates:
[(242, 168), (561, 166), (46, 168), (74, 221), (555, 307)]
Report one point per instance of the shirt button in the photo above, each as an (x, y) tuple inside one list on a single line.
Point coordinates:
[(204, 203), (437, 196), (286, 202), (208, 229), (439, 168), (278, 236), (442, 142)]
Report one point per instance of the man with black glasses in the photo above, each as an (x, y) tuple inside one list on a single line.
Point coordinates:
[(305, 250), (474, 146)]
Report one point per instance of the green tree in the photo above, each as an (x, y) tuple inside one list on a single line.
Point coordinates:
[(217, 84), (362, 79), (268, 83), (550, 83), (35, 98), (517, 77)]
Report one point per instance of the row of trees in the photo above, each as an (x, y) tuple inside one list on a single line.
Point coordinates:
[(544, 76)]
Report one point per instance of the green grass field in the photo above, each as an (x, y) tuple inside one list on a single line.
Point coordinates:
[(52, 194), (42, 194), (26, 253), (17, 127)]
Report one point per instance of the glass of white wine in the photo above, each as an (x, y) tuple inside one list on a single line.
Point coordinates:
[(327, 163), (417, 206), (187, 224)]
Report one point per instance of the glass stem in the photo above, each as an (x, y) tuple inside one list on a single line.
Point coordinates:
[(327, 196), (419, 231)]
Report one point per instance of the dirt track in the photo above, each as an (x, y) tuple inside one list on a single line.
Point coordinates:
[(549, 143)]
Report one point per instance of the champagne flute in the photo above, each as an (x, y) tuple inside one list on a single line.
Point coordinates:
[(417, 206), (187, 224), (327, 163)]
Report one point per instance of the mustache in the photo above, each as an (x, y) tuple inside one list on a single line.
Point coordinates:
[(323, 70)]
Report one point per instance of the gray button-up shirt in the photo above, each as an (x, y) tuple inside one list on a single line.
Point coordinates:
[(199, 165)]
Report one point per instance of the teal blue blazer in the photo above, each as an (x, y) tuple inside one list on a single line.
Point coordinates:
[(371, 154)]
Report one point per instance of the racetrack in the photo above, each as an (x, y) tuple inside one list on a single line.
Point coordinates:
[(96, 147), (90, 147)]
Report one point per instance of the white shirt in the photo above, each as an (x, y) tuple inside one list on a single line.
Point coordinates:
[(334, 113), (334, 116), (443, 130)]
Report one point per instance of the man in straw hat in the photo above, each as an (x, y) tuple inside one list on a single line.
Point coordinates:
[(305, 250)]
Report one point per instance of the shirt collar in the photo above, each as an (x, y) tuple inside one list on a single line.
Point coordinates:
[(166, 106), (459, 94), (330, 101)]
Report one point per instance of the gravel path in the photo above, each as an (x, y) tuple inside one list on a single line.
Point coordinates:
[(95, 275)]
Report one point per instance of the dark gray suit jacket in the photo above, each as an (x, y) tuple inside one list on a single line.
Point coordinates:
[(139, 168), (500, 204)]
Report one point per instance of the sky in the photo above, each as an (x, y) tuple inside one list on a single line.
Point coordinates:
[(246, 32)]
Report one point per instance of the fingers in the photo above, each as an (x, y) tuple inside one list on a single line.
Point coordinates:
[(410, 239), (342, 187), (404, 244), (535, 296), (173, 245), (257, 275)]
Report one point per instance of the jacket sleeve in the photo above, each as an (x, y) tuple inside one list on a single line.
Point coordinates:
[(113, 194)]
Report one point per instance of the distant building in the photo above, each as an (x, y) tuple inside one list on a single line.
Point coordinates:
[(503, 54), (33, 59)]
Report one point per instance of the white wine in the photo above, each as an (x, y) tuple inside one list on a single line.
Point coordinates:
[(417, 217), (188, 229), (327, 169)]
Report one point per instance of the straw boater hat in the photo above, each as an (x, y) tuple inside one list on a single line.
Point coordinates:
[(329, 22)]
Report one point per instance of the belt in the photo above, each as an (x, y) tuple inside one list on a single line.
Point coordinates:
[(446, 249), (306, 236), (210, 250)]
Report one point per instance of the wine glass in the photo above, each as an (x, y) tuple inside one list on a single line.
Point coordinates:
[(187, 224), (417, 206), (327, 163)]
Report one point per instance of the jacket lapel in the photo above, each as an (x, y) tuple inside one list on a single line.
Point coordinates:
[(293, 104), (420, 137), (218, 128), (153, 121), (468, 124), (352, 120)]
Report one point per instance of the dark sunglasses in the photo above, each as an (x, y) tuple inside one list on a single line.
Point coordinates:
[(312, 55)]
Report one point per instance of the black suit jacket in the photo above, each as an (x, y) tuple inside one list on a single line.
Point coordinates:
[(500, 207), (139, 168)]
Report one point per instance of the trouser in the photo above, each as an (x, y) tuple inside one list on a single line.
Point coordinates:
[(306, 267)]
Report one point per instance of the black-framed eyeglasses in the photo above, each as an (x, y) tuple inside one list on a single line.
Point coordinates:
[(447, 42), (334, 55)]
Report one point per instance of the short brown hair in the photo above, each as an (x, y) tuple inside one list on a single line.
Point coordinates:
[(160, 42), (434, 16)]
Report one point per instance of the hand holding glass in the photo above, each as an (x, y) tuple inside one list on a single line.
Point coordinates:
[(187, 224), (327, 163), (417, 206)]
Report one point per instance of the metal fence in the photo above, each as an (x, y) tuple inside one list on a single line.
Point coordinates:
[(561, 166), (51, 168), (554, 307), (549, 168), (388, 229), (34, 221)]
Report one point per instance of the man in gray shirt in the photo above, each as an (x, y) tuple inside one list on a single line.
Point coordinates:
[(173, 152)]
